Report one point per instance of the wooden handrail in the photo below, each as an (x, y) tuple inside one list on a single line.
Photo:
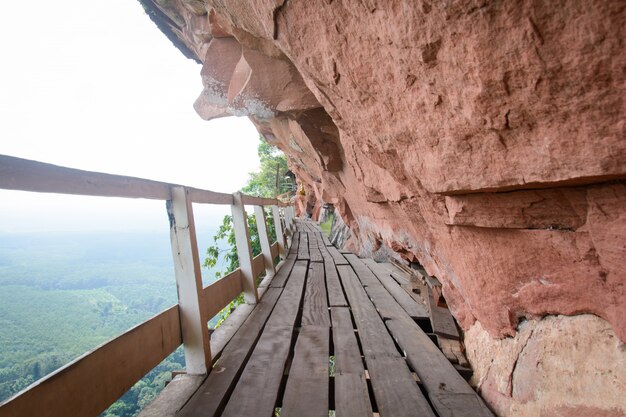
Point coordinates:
[(27, 175)]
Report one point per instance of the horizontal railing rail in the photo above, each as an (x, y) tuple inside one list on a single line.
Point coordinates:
[(27, 175), (91, 383)]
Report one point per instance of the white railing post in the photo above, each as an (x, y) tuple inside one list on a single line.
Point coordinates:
[(264, 239), (280, 236), (244, 251), (189, 283), (292, 218), (288, 231)]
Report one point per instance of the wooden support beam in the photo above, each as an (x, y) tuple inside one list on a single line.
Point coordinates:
[(264, 240), (193, 320), (280, 236), (244, 251)]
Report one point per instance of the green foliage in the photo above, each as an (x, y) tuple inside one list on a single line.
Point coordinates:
[(228, 255), (62, 295), (144, 391), (260, 184), (328, 224), (263, 182)]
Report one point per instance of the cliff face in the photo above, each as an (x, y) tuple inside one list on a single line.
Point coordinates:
[(485, 140)]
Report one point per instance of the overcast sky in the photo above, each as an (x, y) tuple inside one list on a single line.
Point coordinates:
[(95, 85)]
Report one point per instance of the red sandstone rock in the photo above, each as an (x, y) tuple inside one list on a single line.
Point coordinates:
[(437, 118), (556, 367)]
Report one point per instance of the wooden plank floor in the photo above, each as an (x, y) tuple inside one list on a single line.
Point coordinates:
[(333, 333)]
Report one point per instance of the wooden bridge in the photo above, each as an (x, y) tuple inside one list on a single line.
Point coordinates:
[(324, 332)]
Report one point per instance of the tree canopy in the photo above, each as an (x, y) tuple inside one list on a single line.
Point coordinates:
[(263, 182)]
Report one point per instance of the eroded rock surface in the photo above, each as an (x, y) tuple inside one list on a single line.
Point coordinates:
[(553, 367), (485, 140)]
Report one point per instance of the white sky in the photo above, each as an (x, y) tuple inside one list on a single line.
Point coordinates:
[(95, 85)]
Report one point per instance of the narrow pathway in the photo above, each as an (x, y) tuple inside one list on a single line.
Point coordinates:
[(335, 333)]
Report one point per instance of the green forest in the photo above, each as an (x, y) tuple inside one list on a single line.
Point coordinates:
[(63, 294)]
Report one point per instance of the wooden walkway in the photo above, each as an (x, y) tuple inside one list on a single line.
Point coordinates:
[(334, 332)]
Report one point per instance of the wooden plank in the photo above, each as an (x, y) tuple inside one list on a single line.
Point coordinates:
[(314, 250), (264, 240), (415, 310), (211, 397), (325, 239), (189, 283), (450, 394), (28, 175), (295, 244), (282, 274), (437, 374), (306, 392), (337, 257), (303, 249), (441, 319), (258, 266), (351, 393), (257, 389), (335, 292), (315, 307), (244, 251), (395, 390), (365, 275), (209, 197), (275, 250), (218, 294), (287, 307), (249, 200), (118, 364), (223, 334), (280, 235), (173, 397)]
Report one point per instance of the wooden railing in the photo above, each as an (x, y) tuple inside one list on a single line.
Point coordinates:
[(89, 384)]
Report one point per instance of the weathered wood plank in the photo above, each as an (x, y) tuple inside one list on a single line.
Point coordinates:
[(437, 374), (441, 319), (351, 393), (173, 397), (257, 389), (335, 292), (218, 294), (280, 235), (337, 256), (303, 249), (295, 244), (189, 283), (283, 273), (415, 310), (306, 392), (225, 332), (28, 175), (287, 307), (211, 397), (325, 239), (315, 308), (450, 394), (395, 390), (363, 272), (244, 251), (143, 346), (314, 248), (264, 240)]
